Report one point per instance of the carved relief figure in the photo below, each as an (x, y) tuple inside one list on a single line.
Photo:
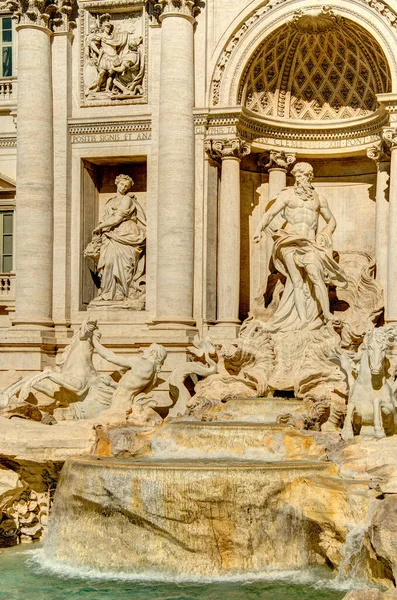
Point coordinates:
[(118, 248), (302, 254), (129, 75), (114, 60)]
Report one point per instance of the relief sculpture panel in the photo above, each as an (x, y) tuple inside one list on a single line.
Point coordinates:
[(113, 58)]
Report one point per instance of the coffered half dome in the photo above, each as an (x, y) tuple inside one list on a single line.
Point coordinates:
[(317, 67)]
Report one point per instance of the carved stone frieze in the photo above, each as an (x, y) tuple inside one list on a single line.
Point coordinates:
[(83, 132), (239, 123), (8, 142), (113, 59), (218, 150), (58, 15), (276, 159)]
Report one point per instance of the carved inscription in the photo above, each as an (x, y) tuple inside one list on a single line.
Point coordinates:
[(94, 138)]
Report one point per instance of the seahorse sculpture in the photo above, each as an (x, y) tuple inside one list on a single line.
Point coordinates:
[(178, 390)]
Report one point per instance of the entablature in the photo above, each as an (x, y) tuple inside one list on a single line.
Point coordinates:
[(87, 131), (340, 136)]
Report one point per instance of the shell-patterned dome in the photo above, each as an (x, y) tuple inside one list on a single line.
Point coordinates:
[(316, 68)]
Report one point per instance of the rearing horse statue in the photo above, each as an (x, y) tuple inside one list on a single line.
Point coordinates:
[(371, 398), (74, 380)]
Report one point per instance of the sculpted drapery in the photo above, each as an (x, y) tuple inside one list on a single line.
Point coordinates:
[(118, 247)]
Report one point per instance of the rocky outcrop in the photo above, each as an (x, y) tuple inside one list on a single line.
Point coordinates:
[(382, 533)]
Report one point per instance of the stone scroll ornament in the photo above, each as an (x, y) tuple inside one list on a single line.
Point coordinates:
[(114, 63), (118, 249)]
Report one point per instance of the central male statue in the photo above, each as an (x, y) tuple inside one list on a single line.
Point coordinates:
[(303, 254)]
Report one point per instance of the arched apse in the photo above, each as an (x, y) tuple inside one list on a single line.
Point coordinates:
[(248, 32), (321, 67)]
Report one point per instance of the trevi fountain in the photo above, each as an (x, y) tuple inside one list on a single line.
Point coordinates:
[(198, 299)]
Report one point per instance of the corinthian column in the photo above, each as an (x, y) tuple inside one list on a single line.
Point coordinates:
[(229, 152), (390, 137), (382, 160), (175, 227), (34, 199)]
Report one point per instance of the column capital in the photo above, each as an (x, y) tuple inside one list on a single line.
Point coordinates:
[(177, 8), (389, 136), (276, 159), (218, 150), (379, 153), (55, 15)]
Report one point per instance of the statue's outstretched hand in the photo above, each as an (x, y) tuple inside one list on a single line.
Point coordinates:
[(257, 237)]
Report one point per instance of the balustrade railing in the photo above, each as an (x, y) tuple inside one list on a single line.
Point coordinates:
[(7, 88), (7, 287)]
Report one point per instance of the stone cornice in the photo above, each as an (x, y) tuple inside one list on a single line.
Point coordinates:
[(226, 148), (84, 128), (55, 15), (91, 131), (240, 122), (8, 142), (106, 5)]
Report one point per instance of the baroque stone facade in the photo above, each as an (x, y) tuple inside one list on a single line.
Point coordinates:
[(198, 177)]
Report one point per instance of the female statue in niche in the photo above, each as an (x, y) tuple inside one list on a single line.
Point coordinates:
[(118, 248)]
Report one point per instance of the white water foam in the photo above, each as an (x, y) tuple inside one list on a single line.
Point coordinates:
[(316, 578), (353, 545)]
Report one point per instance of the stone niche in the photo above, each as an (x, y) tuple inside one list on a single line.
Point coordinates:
[(98, 186), (349, 185)]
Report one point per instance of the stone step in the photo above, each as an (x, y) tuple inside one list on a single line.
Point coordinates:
[(238, 440)]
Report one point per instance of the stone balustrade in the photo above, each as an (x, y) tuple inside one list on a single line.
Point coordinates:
[(7, 287), (7, 88)]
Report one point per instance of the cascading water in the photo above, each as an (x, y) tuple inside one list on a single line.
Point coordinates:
[(212, 501)]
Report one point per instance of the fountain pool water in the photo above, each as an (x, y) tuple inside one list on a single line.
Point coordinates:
[(25, 573)]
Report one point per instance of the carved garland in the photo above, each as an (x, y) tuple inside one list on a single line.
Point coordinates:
[(384, 10)]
